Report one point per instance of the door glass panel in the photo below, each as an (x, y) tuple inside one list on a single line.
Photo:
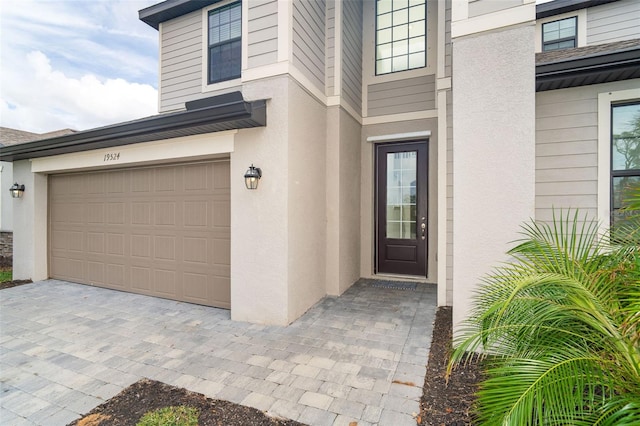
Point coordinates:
[(401, 195)]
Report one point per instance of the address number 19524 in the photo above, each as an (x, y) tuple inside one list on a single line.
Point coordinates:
[(111, 156)]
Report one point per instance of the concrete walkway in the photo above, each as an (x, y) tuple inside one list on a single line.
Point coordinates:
[(66, 348)]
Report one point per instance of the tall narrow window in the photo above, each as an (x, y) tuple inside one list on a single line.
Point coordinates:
[(225, 31), (560, 34), (625, 156), (401, 35)]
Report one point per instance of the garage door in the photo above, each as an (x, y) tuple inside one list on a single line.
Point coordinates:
[(161, 231)]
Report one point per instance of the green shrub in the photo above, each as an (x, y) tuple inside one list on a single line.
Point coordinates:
[(171, 416), (563, 321)]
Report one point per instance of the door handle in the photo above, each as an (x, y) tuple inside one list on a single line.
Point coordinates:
[(423, 228)]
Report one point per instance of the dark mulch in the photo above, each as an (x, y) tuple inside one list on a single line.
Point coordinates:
[(6, 262), (445, 403), (128, 407), (14, 283)]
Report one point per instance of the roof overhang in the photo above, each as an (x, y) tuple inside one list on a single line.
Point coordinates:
[(602, 67), (557, 7), (169, 9), (225, 112)]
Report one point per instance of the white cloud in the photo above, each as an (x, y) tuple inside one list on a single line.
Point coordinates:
[(38, 98), (75, 64)]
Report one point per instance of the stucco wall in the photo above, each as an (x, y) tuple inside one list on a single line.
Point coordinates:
[(30, 225), (259, 227), (306, 200), (343, 200), (494, 147), (6, 205)]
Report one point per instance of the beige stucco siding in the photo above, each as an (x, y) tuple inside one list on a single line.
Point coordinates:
[(613, 22), (306, 192), (494, 136), (342, 200)]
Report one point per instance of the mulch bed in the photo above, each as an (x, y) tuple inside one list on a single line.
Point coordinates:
[(14, 283), (449, 403), (128, 407), (442, 403), (5, 265)]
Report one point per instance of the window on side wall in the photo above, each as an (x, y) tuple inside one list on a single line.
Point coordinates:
[(225, 54), (561, 34), (625, 157), (401, 35)]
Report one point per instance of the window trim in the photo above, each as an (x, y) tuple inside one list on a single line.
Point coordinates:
[(227, 5), (375, 46), (204, 19), (560, 40), (581, 27), (618, 173), (605, 102)]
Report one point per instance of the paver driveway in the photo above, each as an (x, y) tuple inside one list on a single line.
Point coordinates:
[(66, 348)]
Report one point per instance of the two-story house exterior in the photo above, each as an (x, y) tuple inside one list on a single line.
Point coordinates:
[(398, 139)]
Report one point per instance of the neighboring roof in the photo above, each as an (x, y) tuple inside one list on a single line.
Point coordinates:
[(169, 9), (10, 136), (225, 112), (587, 65), (557, 7)]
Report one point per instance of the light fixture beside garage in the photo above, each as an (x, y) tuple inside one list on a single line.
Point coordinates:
[(252, 176), (16, 190)]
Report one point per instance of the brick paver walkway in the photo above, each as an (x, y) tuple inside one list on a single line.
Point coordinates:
[(66, 348)]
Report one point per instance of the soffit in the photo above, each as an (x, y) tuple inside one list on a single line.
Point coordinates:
[(227, 113), (588, 65), (161, 12)]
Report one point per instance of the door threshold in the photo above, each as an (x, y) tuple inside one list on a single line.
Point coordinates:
[(397, 277)]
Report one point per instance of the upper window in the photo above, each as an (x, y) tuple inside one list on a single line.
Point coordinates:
[(625, 155), (225, 31), (401, 28), (560, 34)]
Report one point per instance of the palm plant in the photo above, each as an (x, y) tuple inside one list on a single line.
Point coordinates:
[(559, 330)]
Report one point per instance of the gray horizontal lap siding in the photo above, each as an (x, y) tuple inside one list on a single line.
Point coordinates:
[(566, 151), (180, 61), (309, 40), (613, 22), (483, 7), (447, 39), (263, 33), (402, 96), (352, 54), (330, 47)]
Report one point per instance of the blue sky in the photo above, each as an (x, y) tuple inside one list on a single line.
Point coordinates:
[(75, 63)]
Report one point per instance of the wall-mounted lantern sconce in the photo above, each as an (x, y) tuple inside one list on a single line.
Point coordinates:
[(252, 176), (16, 190)]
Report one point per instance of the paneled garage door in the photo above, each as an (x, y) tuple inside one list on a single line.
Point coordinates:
[(162, 231)]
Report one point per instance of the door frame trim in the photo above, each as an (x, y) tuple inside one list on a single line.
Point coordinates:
[(375, 239)]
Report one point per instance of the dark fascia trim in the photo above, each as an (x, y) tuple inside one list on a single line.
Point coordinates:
[(169, 9), (236, 115), (589, 65), (558, 7)]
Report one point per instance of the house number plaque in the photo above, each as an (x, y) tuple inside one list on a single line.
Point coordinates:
[(113, 156)]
